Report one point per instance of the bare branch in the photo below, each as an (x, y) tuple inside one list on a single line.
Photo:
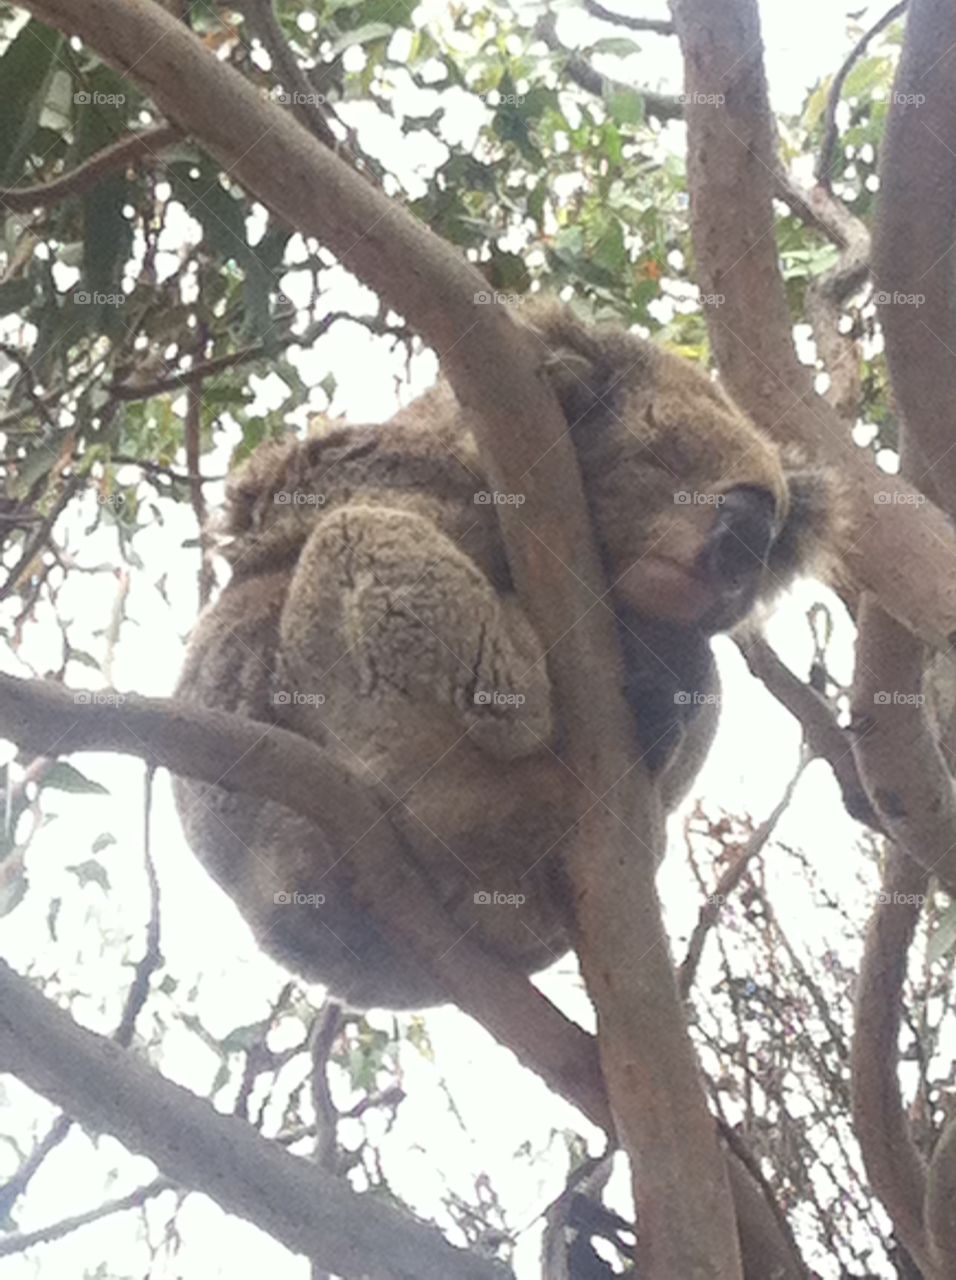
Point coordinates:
[(658, 26), (298, 1204), (892, 1161), (822, 733), (831, 133), (941, 1201), (19, 1243), (912, 246), (134, 149), (899, 759), (244, 755), (588, 78), (729, 881)]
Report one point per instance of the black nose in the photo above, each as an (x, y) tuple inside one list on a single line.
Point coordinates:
[(738, 544)]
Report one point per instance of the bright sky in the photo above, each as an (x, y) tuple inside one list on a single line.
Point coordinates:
[(208, 949)]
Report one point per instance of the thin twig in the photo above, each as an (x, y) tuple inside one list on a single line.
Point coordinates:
[(134, 148), (831, 133)]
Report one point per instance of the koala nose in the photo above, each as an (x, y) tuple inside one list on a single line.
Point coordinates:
[(738, 544)]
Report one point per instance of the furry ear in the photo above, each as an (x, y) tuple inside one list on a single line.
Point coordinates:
[(807, 537), (582, 362)]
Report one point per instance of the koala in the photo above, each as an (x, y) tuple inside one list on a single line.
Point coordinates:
[(371, 609)]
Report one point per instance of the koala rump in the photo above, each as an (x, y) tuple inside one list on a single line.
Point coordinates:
[(370, 609)]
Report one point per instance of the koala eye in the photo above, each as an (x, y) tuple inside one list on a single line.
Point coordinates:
[(740, 540)]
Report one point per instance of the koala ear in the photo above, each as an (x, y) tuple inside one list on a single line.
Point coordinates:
[(807, 536), (582, 386), (573, 358)]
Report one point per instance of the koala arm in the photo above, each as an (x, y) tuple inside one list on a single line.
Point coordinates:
[(408, 635)]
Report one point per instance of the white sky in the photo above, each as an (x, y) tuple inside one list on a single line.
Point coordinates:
[(209, 950)]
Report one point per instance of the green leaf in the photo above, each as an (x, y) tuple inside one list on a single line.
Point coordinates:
[(943, 938), (63, 777), (621, 46), (625, 105), (91, 872), (26, 68)]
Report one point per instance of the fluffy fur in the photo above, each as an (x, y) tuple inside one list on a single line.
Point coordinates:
[(371, 609)]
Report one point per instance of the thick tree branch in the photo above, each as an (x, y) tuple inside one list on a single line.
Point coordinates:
[(896, 750), (45, 719), (292, 771), (661, 1114), (913, 246), (905, 553), (303, 1207), (892, 1161)]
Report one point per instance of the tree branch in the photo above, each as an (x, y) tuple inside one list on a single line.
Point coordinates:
[(661, 1112), (912, 246), (892, 1162), (822, 733), (303, 1207), (247, 756), (656, 25), (133, 149), (904, 553), (830, 132)]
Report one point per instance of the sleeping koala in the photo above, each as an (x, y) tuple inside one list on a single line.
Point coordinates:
[(371, 609)]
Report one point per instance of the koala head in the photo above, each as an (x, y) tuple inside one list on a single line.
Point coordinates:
[(722, 517)]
